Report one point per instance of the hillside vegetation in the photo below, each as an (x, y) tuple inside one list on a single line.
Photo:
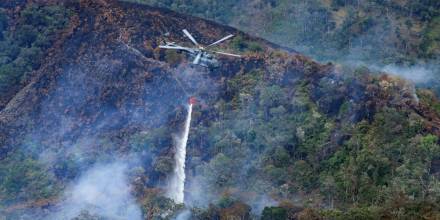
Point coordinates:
[(371, 33), (275, 135), (22, 46), (392, 31)]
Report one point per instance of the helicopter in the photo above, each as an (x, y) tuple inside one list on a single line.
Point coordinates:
[(202, 55)]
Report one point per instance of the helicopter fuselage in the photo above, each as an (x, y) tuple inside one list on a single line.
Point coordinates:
[(203, 55), (207, 59)]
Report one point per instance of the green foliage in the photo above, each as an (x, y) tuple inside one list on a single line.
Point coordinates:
[(428, 98), (379, 32), (240, 44), (3, 22), (22, 49), (230, 210), (226, 202), (24, 178), (400, 208), (149, 141), (425, 10), (382, 159), (212, 212), (361, 213), (164, 165), (172, 57), (431, 38), (156, 206), (221, 171), (85, 215), (211, 9), (270, 133), (264, 135), (274, 213), (254, 46)]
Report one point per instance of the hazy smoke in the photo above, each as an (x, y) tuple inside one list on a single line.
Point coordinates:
[(177, 183), (417, 73), (421, 73), (184, 215), (102, 191), (260, 203), (197, 194)]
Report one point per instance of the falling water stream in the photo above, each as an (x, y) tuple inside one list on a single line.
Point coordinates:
[(177, 183)]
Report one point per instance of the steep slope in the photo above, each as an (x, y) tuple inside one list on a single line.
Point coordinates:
[(271, 129), (330, 29), (395, 34), (27, 32)]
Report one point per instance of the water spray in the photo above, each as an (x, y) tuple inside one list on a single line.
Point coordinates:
[(177, 183)]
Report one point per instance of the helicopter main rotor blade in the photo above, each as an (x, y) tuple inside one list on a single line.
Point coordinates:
[(221, 40), (173, 47), (197, 59), (190, 37), (227, 54), (191, 50)]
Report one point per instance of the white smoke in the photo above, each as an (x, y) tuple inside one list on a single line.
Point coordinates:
[(421, 73), (102, 191), (177, 183), (261, 202), (197, 193), (184, 215), (417, 73)]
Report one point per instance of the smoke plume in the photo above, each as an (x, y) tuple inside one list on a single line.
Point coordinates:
[(102, 191), (419, 74)]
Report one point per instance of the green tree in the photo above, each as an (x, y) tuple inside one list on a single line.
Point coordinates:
[(431, 39), (274, 213), (3, 22)]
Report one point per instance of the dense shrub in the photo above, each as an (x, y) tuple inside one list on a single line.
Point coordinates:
[(24, 178), (3, 22), (274, 213), (22, 49)]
